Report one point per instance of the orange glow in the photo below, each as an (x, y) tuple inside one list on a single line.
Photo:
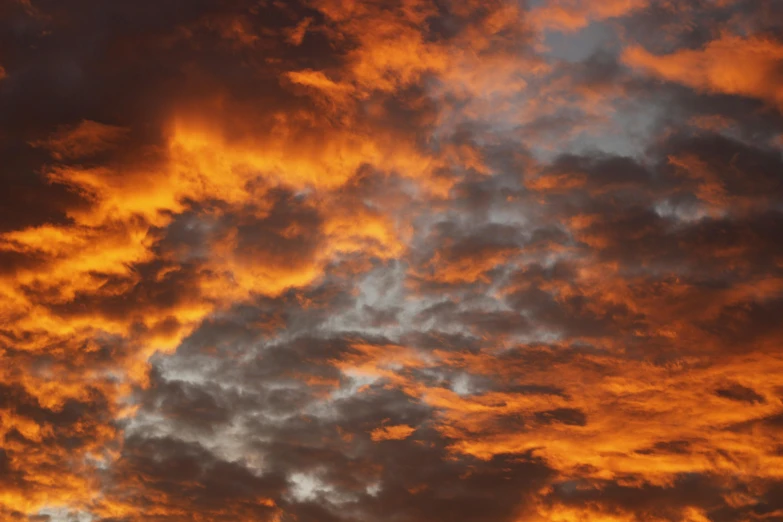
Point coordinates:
[(400, 432), (728, 65)]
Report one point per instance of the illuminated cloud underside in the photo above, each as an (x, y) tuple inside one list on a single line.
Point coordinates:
[(410, 260)]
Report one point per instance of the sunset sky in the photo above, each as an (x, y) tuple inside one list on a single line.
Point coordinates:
[(391, 260)]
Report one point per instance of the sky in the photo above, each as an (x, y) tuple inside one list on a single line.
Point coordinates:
[(391, 260)]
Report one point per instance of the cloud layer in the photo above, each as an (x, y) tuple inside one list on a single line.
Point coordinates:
[(391, 260)]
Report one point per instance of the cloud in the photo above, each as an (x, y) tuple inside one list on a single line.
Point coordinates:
[(397, 259), (84, 139), (400, 432), (571, 15), (730, 65)]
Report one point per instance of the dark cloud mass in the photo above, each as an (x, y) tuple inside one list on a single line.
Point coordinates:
[(391, 261)]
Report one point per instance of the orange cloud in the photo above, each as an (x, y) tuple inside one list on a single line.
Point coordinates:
[(400, 432), (571, 15), (742, 66)]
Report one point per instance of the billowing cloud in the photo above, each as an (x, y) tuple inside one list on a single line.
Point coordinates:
[(405, 260)]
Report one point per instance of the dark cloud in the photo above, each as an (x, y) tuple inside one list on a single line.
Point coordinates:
[(738, 392)]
